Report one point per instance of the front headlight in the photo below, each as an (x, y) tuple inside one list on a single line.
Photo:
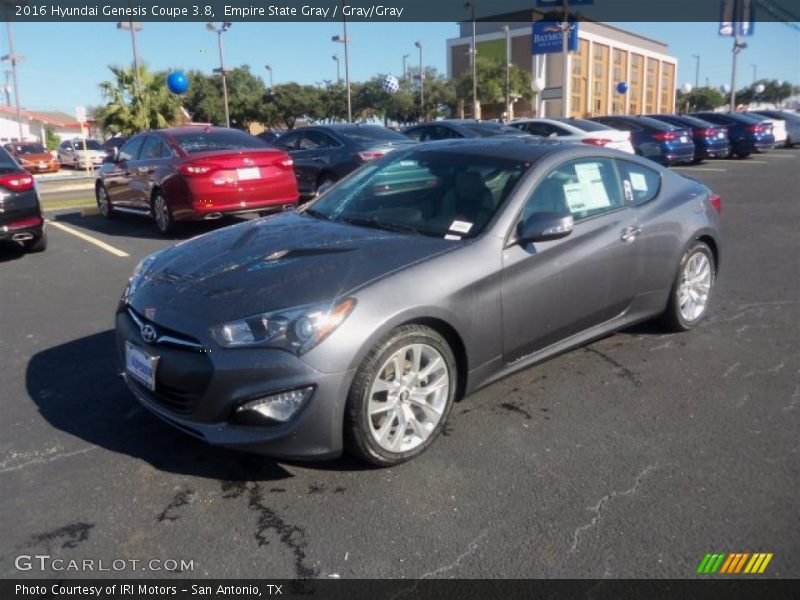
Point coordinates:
[(297, 329)]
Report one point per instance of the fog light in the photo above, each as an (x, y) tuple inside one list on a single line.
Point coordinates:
[(277, 407)]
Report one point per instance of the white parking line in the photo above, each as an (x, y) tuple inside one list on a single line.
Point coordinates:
[(88, 238), (789, 156), (702, 169)]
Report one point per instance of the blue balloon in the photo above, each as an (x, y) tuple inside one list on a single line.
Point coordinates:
[(177, 82), (622, 87)]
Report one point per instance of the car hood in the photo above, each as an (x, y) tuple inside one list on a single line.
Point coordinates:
[(291, 259)]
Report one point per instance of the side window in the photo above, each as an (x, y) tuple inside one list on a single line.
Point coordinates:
[(541, 129), (130, 151), (640, 184), (166, 152), (445, 133), (151, 149), (288, 142), (416, 134), (316, 140), (584, 188)]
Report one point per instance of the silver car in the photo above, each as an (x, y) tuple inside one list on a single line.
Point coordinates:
[(79, 153), (356, 321)]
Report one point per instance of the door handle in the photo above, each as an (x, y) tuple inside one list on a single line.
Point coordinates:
[(630, 233)]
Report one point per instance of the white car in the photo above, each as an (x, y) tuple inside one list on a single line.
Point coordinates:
[(73, 153), (778, 127), (577, 130)]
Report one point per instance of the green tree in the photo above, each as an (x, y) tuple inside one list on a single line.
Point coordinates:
[(774, 92), (703, 98), (51, 140), (128, 110), (491, 86), (204, 99), (291, 101)]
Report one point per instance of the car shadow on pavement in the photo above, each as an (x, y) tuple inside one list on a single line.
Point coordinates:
[(10, 251), (133, 226), (78, 390)]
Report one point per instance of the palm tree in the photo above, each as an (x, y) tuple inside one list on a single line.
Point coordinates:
[(129, 111)]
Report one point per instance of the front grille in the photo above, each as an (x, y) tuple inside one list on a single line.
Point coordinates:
[(166, 337)]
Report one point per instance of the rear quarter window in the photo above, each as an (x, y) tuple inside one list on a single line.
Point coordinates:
[(640, 184)]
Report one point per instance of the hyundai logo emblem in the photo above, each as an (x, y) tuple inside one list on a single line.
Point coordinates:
[(149, 333)]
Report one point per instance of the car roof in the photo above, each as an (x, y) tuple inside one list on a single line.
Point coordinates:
[(528, 148)]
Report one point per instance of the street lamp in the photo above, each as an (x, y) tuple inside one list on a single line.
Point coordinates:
[(755, 72), (418, 44), (269, 68), (405, 69), (14, 59), (338, 77), (472, 57), (343, 39), (133, 27), (219, 31), (738, 46), (696, 70), (507, 31)]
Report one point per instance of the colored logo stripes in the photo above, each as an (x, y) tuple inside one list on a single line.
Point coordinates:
[(734, 563)]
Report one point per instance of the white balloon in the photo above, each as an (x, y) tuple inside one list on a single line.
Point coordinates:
[(537, 84), (686, 88), (390, 84), (760, 88)]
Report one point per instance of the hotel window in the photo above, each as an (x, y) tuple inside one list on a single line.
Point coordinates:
[(580, 79), (652, 85), (635, 85), (619, 73), (667, 86), (600, 80)]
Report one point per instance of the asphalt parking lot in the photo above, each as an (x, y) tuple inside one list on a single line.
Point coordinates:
[(632, 457)]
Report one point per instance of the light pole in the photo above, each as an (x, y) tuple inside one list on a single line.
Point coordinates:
[(405, 69), (565, 74), (133, 27), (755, 73), (696, 70), (338, 77), (269, 68), (219, 31), (14, 59), (418, 44), (507, 31), (738, 46), (343, 39), (473, 51)]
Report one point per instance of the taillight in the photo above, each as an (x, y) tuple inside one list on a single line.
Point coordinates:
[(23, 223), (369, 155), (286, 163), (195, 170), (665, 136), (716, 202), (708, 132), (755, 129), (17, 182), (595, 141)]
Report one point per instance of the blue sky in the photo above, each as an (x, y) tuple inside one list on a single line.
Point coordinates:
[(65, 61)]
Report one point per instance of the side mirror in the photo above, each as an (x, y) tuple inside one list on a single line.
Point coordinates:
[(544, 227)]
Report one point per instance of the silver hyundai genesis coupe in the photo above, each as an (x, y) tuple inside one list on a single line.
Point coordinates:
[(357, 320)]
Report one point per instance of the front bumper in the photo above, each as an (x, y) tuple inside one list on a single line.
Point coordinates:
[(197, 391)]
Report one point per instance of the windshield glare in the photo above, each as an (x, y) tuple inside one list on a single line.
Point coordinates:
[(370, 133), (203, 141), (90, 145), (439, 193)]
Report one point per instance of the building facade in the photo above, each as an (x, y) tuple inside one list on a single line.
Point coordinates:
[(606, 56), (34, 124)]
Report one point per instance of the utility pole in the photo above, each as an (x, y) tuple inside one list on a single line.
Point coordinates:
[(405, 69), (346, 41), (696, 70), (755, 72), (133, 28), (269, 68), (473, 52), (738, 46), (418, 44), (565, 74), (7, 87), (338, 77), (14, 59), (507, 30)]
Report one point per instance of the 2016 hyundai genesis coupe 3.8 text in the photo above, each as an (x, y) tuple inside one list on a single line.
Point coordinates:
[(355, 321)]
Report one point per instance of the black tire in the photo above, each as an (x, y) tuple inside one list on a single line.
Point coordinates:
[(358, 437), (742, 155), (37, 244), (162, 214), (106, 207), (672, 318)]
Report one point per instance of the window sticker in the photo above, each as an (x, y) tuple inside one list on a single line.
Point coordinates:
[(573, 192), (452, 237), (628, 189), (594, 189), (638, 181), (461, 226)]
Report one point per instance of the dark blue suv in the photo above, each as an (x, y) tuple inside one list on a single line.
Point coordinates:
[(663, 143), (710, 140), (746, 134)]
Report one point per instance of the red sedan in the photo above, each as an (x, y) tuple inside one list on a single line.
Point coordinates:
[(195, 173)]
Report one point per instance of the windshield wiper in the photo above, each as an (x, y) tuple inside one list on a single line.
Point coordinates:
[(374, 223)]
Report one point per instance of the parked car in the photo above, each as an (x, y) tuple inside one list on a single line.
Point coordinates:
[(33, 157), (80, 153), (268, 136), (745, 133), (791, 122), (113, 144), (661, 142), (710, 140), (357, 320), (323, 154), (448, 129), (21, 217), (777, 126), (192, 173), (577, 130)]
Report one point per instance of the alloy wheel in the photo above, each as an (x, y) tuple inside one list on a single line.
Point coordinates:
[(694, 287)]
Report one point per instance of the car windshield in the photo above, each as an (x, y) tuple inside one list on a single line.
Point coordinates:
[(370, 133), (30, 149), (585, 125), (90, 145), (489, 129), (210, 141), (434, 192)]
